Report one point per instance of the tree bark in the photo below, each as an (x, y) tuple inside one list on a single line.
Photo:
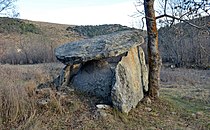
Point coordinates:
[(153, 52)]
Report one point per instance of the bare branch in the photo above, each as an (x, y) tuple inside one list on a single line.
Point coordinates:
[(5, 5), (173, 17), (165, 6), (7, 8), (142, 19)]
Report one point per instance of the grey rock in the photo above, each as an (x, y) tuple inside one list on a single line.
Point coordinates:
[(101, 113), (99, 47), (95, 78), (43, 101), (63, 78), (148, 109), (111, 67), (173, 113), (144, 70), (199, 114), (193, 115), (128, 89), (147, 100), (103, 106), (44, 85)]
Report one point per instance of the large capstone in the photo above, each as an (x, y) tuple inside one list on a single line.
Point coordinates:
[(99, 47)]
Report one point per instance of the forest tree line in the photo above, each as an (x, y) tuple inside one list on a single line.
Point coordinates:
[(181, 44), (184, 45)]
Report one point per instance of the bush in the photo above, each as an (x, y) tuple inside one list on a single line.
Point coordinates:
[(91, 31), (11, 25)]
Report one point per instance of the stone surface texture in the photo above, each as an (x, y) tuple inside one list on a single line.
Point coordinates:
[(98, 47), (144, 70), (128, 89), (94, 78), (111, 67)]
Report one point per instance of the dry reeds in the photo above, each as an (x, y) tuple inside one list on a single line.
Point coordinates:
[(18, 100)]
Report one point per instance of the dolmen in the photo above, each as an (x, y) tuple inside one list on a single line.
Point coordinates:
[(111, 67)]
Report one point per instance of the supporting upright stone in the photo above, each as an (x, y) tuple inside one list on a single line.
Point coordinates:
[(144, 70), (63, 78), (128, 90)]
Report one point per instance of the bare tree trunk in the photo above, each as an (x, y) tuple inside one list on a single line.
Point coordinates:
[(153, 52)]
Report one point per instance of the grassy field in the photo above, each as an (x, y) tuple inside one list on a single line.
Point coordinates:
[(184, 103)]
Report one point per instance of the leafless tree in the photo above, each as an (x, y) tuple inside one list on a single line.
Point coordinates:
[(183, 45), (170, 12)]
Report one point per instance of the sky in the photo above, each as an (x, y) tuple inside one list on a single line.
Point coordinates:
[(79, 12)]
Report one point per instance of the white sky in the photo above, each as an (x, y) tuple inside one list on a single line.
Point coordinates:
[(79, 12)]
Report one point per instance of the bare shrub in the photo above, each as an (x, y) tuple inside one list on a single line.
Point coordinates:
[(29, 49)]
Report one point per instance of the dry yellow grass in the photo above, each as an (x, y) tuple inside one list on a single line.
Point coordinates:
[(34, 45), (55, 33), (72, 110), (17, 92)]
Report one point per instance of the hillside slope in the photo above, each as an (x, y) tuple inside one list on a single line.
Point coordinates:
[(24, 41), (184, 45)]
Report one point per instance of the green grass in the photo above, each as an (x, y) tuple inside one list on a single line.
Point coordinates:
[(188, 110)]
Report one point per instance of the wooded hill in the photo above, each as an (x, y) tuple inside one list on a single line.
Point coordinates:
[(185, 45), (24, 42), (91, 31), (29, 42)]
